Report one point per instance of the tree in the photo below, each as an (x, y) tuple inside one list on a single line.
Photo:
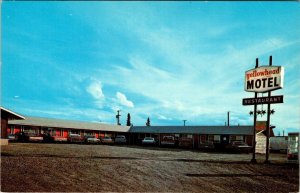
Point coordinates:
[(148, 122), (128, 120)]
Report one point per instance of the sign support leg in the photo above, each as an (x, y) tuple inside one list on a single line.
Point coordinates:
[(253, 160), (268, 124)]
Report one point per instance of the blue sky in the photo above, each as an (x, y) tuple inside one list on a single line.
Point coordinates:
[(165, 60)]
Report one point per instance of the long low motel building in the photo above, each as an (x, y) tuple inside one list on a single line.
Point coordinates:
[(61, 129)]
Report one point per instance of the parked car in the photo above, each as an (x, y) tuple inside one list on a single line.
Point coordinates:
[(75, 138), (107, 140), (207, 145), (91, 139), (47, 138), (120, 139), (239, 146), (279, 144), (168, 141), (185, 142), (22, 137), (12, 137), (35, 138), (293, 148), (148, 141)]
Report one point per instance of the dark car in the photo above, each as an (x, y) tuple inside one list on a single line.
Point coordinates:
[(168, 141), (239, 146), (22, 137), (47, 138), (120, 139), (185, 142), (207, 145)]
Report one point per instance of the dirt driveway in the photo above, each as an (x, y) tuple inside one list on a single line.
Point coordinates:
[(100, 168)]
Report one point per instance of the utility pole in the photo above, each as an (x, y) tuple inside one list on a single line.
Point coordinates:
[(184, 122), (118, 117), (228, 119)]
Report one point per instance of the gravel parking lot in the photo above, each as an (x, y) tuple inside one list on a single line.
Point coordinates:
[(30, 167)]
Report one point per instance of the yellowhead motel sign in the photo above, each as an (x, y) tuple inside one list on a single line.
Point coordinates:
[(264, 78), (259, 80)]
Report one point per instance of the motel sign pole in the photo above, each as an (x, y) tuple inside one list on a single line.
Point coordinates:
[(254, 129), (268, 122)]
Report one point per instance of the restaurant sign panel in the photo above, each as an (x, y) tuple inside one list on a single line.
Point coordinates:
[(264, 78), (263, 100)]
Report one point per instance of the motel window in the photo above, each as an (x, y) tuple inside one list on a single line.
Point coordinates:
[(239, 138), (108, 135), (236, 138), (89, 133), (29, 130), (232, 138), (75, 132), (210, 138), (217, 138)]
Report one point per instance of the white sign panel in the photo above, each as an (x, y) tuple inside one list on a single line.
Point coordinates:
[(264, 78)]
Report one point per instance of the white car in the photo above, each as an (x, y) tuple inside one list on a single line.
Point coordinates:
[(91, 139), (148, 141)]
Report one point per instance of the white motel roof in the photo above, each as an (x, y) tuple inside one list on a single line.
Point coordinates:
[(71, 124), (16, 115), (68, 124), (220, 130)]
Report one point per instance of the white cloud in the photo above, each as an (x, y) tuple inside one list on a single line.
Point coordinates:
[(162, 117), (95, 89), (122, 99)]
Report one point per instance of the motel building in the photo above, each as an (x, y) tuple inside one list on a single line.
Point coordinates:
[(7, 115), (185, 136)]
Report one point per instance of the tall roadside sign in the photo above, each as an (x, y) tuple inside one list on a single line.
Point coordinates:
[(261, 80)]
